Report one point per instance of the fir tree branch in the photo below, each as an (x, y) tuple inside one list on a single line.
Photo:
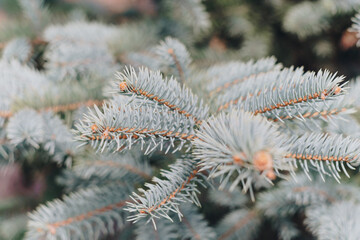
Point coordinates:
[(282, 90), (331, 152), (52, 227), (192, 230), (125, 133), (128, 167), (86, 214), (235, 82), (59, 108), (233, 73), (193, 225), (238, 225), (320, 192), (173, 55), (178, 67), (224, 149), (119, 127), (152, 86), (171, 195), (316, 114), (164, 196)]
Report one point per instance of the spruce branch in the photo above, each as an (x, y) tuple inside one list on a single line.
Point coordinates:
[(174, 55), (338, 220), (227, 75), (165, 195), (257, 84), (19, 49), (327, 154), (104, 169), (60, 108), (240, 144), (151, 85), (291, 89), (85, 214), (238, 224), (355, 27), (191, 13), (193, 225), (119, 127), (165, 230), (343, 105), (291, 196)]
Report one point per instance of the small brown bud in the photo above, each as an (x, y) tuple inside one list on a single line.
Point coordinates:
[(94, 128), (171, 51), (337, 90), (263, 160), (271, 175), (123, 86), (238, 160)]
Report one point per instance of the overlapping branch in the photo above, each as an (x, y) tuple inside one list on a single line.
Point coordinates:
[(151, 85)]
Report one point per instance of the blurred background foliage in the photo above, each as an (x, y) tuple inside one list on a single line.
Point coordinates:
[(247, 29), (313, 34)]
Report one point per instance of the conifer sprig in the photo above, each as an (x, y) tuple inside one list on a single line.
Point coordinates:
[(119, 127), (89, 214), (283, 89), (151, 85), (227, 75), (327, 154), (240, 144), (164, 195)]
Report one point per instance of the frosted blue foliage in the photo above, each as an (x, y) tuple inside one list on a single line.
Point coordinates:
[(229, 143), (291, 196), (237, 72), (327, 154), (166, 230), (256, 83), (119, 127), (47, 130), (356, 28), (164, 196), (68, 60), (347, 126), (26, 126), (174, 55), (17, 79), (58, 140), (71, 50), (337, 221), (86, 214), (85, 33), (18, 49), (167, 91), (292, 90), (225, 198), (35, 12), (143, 60), (306, 19), (192, 13), (193, 225), (239, 224), (287, 229), (104, 169), (325, 110), (354, 88)]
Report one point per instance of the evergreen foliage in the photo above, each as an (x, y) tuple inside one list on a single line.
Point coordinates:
[(151, 134)]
